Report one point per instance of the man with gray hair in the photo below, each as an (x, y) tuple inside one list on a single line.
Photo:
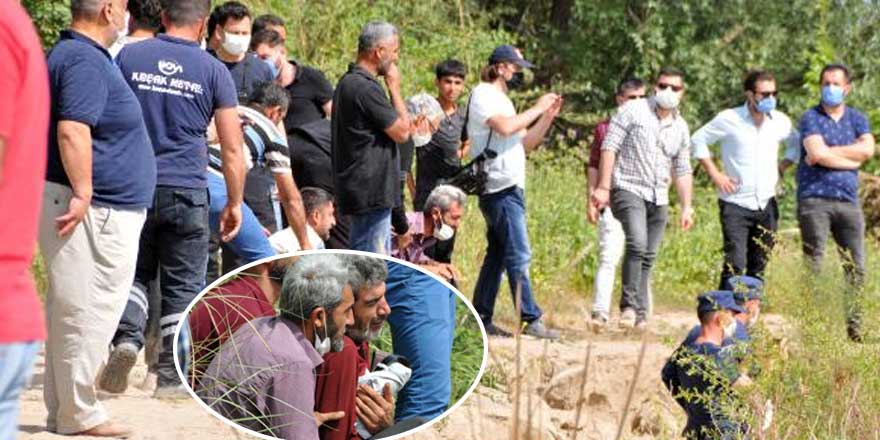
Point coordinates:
[(437, 223), (366, 129), (263, 377), (100, 181)]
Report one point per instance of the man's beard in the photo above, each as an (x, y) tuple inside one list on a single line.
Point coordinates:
[(360, 335), (336, 345)]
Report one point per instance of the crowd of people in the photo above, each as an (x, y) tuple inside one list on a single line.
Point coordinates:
[(183, 142)]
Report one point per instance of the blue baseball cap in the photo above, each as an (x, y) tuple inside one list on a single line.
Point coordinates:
[(508, 53), (716, 300), (745, 288)]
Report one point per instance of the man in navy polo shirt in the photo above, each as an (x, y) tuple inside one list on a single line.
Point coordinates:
[(366, 131), (99, 183), (180, 87), (836, 141)]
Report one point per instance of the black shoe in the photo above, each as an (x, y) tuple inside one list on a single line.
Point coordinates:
[(854, 333), (493, 330)]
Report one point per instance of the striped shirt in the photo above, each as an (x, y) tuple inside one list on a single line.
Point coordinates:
[(264, 144), (649, 151)]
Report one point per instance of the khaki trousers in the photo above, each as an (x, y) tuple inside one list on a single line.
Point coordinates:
[(90, 273)]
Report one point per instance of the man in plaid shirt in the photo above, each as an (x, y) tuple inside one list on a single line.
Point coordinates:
[(647, 147)]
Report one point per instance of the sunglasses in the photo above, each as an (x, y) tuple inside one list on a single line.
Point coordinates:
[(664, 86), (762, 95)]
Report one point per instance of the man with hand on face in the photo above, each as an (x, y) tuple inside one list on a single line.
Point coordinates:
[(233, 31), (749, 136), (837, 140), (366, 129), (337, 384), (263, 376), (646, 140)]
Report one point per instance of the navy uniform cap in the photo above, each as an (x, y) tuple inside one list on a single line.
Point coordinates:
[(510, 54), (716, 300), (745, 288)]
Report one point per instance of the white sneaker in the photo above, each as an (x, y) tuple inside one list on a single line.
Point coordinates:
[(628, 318)]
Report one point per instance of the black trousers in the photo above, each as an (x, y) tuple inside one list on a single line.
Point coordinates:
[(748, 239)]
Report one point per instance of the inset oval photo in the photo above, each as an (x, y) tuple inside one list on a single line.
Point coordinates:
[(329, 344)]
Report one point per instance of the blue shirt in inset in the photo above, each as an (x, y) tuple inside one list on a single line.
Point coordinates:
[(179, 86), (827, 183), (88, 88)]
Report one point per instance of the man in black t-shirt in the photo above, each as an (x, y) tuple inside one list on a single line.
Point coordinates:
[(311, 95), (233, 32), (366, 129)]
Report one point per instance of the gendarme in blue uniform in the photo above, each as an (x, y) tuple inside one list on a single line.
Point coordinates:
[(179, 86), (826, 183), (87, 87)]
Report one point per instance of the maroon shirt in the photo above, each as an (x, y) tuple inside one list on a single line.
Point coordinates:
[(596, 147), (337, 387), (220, 313)]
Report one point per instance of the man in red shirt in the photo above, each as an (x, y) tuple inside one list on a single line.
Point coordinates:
[(24, 122), (224, 309), (337, 388)]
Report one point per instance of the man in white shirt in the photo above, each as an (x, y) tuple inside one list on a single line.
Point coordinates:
[(749, 136), (320, 219)]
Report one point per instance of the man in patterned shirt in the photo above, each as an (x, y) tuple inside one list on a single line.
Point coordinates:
[(836, 141), (647, 146)]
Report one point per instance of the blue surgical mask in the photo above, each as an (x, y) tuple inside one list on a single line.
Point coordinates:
[(766, 105), (832, 95), (271, 64)]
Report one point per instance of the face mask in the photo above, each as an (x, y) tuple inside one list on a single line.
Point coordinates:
[(730, 329), (236, 44), (271, 63), (444, 232), (667, 99), (323, 346), (517, 81), (753, 319), (832, 96), (766, 105), (420, 140)]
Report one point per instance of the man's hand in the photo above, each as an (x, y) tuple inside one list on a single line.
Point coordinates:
[(555, 108), (687, 218), (443, 270), (592, 212), (599, 198), (404, 240), (230, 222), (76, 211), (392, 77), (547, 101), (725, 183), (322, 418), (374, 411)]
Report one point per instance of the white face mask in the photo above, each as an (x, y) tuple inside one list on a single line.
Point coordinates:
[(420, 140), (236, 44), (444, 232), (730, 329), (753, 318), (323, 346), (667, 98)]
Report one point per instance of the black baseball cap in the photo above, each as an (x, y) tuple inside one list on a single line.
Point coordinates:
[(508, 53)]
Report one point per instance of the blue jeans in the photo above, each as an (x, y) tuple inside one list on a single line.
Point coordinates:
[(251, 244), (371, 232), (422, 324), (507, 249), (16, 360), (174, 244)]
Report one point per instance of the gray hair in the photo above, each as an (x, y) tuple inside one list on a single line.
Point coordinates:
[(373, 33), (366, 272), (314, 198), (86, 9), (313, 281), (443, 196)]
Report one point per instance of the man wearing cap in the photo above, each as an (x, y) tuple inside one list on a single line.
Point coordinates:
[(701, 373), (494, 127)]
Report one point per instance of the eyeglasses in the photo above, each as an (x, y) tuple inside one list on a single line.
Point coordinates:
[(762, 95), (634, 97), (664, 86)]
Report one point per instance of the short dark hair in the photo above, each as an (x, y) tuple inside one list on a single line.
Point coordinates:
[(145, 14), (450, 67), (266, 36), (185, 12), (266, 20), (755, 76), (671, 71), (267, 94), (836, 66), (706, 317), (314, 198), (627, 84), (231, 9)]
